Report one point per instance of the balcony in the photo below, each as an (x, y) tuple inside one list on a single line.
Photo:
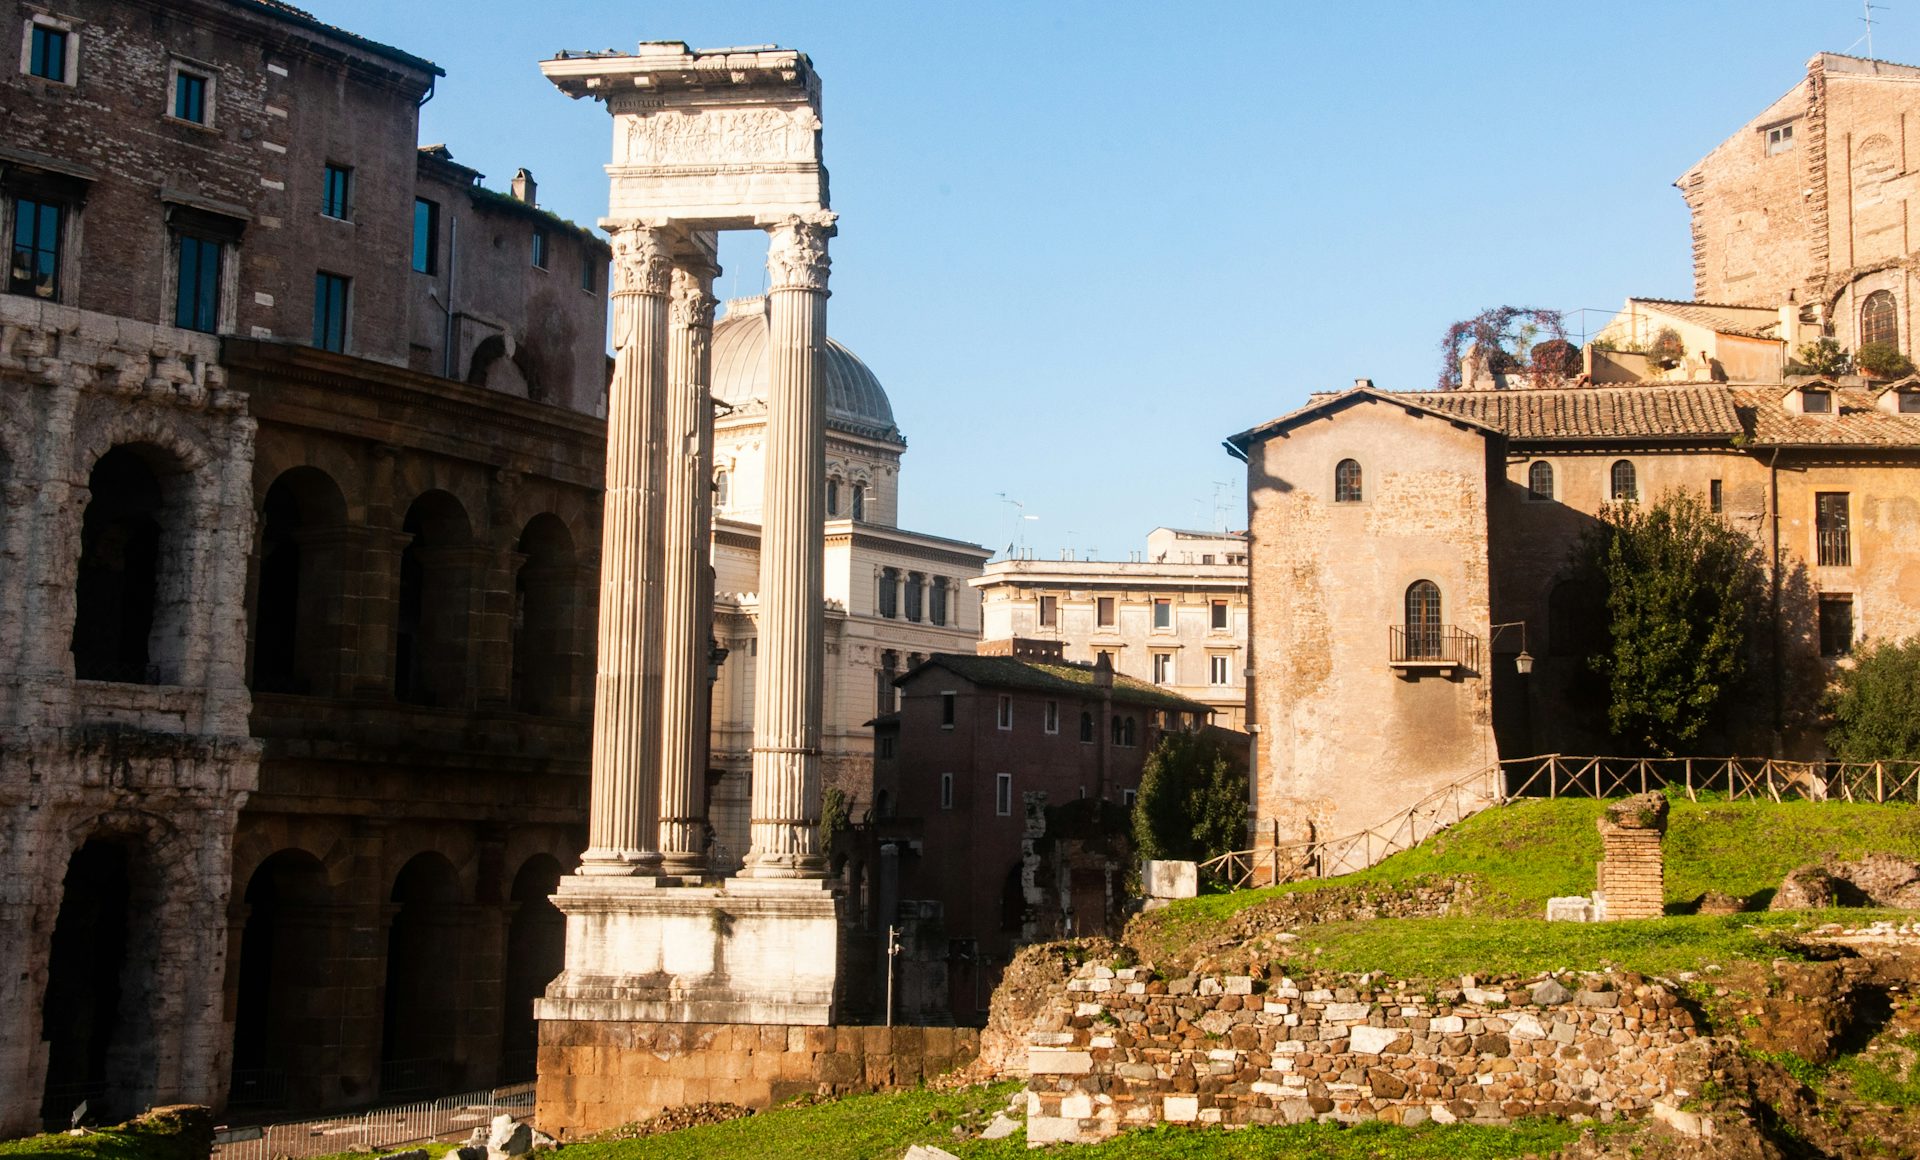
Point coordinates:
[(1436, 648), (1833, 548)]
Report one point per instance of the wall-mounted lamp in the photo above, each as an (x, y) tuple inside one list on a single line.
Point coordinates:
[(1523, 662)]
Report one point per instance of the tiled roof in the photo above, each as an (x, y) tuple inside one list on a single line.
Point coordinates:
[(1855, 421), (1723, 318), (287, 12), (1691, 411), (1049, 677)]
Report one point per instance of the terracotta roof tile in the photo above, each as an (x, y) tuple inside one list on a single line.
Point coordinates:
[(1051, 677), (1855, 421), (1694, 411)]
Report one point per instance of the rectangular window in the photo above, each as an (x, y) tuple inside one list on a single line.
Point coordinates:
[(1049, 612), (426, 236), (1051, 719), (946, 791), (1779, 139), (47, 53), (589, 273), (938, 613), (916, 587), (1103, 612), (948, 702), (190, 97), (1219, 623), (1163, 668), (1127, 796), (197, 300), (1716, 495), (330, 311), (1003, 794), (1219, 670), (1003, 715), (886, 747), (1910, 402), (889, 602), (336, 192), (35, 267), (1816, 402), (1163, 614), (1833, 540), (1836, 626), (540, 249)]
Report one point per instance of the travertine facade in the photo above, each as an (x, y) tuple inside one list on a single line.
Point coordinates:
[(1809, 202), (1177, 618)]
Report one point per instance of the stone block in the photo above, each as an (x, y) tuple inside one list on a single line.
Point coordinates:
[(1180, 1109), (1373, 1040), (1572, 908), (1170, 879), (1058, 1061)]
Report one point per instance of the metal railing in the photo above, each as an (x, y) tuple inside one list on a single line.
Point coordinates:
[(1557, 776), (1434, 644), (1833, 547), (376, 1128)]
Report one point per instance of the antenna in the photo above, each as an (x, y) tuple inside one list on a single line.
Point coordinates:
[(1221, 490), (1867, 9)]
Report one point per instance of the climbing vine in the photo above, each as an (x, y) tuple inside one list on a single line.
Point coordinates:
[(1506, 340)]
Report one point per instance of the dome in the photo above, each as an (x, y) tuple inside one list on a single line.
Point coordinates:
[(855, 400)]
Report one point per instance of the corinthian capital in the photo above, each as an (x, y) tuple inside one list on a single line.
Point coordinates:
[(691, 300), (641, 259), (797, 255)]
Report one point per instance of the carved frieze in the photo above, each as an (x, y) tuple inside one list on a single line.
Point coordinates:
[(746, 136)]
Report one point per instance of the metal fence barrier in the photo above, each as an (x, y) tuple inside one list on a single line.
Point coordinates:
[(376, 1128)]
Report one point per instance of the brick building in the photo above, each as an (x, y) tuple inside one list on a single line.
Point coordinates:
[(1406, 547), (302, 483), (1176, 618), (965, 773)]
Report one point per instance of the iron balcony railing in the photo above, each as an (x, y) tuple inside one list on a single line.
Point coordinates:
[(1432, 644), (1835, 548)]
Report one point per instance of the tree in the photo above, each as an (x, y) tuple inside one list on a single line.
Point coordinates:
[(1876, 705), (1192, 802), (1825, 357), (1681, 586), (1502, 339), (1882, 360), (1667, 349)]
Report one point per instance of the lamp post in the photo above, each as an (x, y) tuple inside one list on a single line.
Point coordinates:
[(1523, 661)]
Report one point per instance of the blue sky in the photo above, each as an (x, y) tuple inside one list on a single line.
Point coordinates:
[(1080, 243)]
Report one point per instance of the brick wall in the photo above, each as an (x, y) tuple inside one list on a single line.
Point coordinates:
[(1122, 1048)]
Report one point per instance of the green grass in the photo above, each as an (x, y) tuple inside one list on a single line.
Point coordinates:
[(157, 1138), (1875, 1083), (884, 1126)]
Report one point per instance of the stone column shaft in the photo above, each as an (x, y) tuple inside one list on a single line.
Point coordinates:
[(787, 695), (623, 820), (689, 595)]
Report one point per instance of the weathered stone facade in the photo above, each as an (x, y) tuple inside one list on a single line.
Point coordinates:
[(1122, 1049)]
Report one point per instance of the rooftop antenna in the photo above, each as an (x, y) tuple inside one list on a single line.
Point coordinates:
[(1221, 488), (1867, 9), (1019, 522)]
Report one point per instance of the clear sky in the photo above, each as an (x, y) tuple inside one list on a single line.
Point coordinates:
[(1081, 243)]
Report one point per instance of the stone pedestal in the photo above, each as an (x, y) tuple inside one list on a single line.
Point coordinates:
[(1632, 868)]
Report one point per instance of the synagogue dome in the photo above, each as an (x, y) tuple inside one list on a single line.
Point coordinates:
[(856, 402)]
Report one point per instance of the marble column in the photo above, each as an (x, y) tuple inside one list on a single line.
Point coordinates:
[(787, 692), (624, 815), (688, 589)]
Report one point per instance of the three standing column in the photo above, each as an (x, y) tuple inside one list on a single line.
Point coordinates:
[(787, 693), (689, 574), (623, 820)]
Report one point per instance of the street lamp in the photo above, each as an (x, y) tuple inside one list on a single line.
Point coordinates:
[(1523, 661)]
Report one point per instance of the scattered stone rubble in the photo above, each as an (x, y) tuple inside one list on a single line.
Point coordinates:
[(1123, 1048), (1882, 880)]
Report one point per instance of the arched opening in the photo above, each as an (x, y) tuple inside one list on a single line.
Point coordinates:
[(1346, 482), (1625, 482), (1880, 320), (424, 946), (282, 986), (1540, 480), (1423, 620), (129, 592), (96, 1019), (430, 640), (536, 950), (295, 626), (544, 592)]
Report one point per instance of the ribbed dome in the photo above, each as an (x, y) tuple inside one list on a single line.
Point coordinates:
[(855, 400)]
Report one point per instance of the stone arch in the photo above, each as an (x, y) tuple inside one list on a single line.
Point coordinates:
[(282, 989), (536, 950), (133, 578), (546, 593), (300, 584), (500, 364), (432, 622), (420, 1018), (278, 452)]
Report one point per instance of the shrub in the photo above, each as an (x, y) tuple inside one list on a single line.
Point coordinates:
[(1666, 349), (1875, 705), (1192, 802), (1825, 357), (1882, 360)]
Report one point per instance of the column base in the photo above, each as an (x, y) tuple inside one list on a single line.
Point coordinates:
[(653, 950)]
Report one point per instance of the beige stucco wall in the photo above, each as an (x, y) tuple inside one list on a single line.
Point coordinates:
[(1345, 741)]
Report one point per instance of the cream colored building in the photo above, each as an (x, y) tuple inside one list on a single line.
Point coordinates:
[(1175, 616), (894, 597)]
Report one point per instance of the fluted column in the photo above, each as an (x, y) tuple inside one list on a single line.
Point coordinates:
[(689, 594), (624, 818), (787, 691)]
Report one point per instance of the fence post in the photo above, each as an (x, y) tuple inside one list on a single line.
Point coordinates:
[(1690, 796), (1879, 782), (1553, 777), (1643, 775)]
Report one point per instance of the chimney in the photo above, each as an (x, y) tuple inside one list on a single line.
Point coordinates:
[(1363, 384), (1103, 672), (525, 188)]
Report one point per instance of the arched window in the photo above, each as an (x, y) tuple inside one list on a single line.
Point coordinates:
[(1086, 728), (544, 591), (1626, 482), (1423, 620), (1540, 480), (888, 604), (1346, 482), (430, 632), (833, 498), (722, 489), (1879, 320), (1119, 731), (859, 501)]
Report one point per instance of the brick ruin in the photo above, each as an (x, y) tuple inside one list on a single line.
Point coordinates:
[(1632, 870)]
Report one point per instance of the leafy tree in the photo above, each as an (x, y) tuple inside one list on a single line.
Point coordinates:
[(1501, 339), (1192, 802), (1825, 357), (1882, 360), (1667, 348), (1681, 586), (834, 820), (1876, 705), (1556, 358)]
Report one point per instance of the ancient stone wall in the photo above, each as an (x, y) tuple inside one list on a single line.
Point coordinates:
[(1120, 1048)]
